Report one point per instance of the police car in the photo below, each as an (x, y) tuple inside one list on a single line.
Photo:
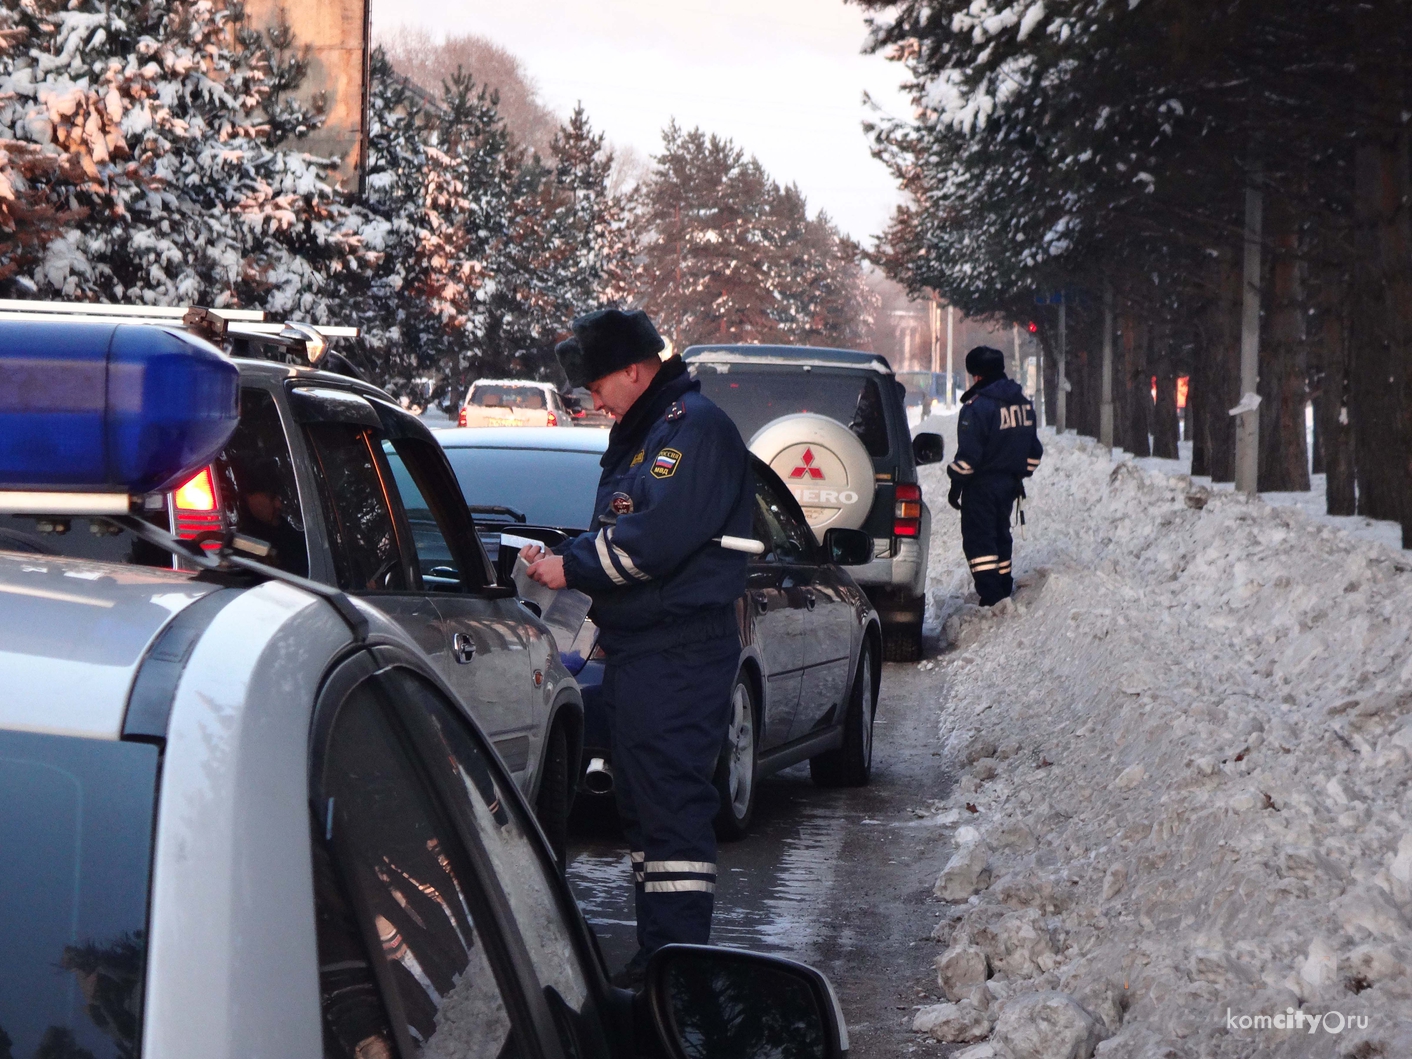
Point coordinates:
[(243, 814), (348, 489)]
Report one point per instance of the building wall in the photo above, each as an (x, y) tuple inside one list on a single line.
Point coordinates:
[(336, 34)]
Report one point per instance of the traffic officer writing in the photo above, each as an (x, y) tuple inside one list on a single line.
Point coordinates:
[(997, 447), (676, 478)]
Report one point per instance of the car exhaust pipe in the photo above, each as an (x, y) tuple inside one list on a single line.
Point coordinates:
[(598, 777)]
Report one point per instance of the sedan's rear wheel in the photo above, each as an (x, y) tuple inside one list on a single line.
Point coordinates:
[(851, 765), (737, 768)]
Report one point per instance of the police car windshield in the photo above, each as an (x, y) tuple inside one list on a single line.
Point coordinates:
[(550, 487), (76, 831), (756, 394)]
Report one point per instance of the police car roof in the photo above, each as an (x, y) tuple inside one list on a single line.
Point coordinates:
[(74, 632), (561, 439), (801, 355)]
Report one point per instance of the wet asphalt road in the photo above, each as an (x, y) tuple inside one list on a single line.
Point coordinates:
[(840, 879)]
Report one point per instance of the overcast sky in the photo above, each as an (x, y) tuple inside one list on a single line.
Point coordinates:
[(783, 78)]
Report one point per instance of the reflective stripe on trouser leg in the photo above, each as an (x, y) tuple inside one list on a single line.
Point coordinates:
[(679, 876), (670, 712), (637, 861)]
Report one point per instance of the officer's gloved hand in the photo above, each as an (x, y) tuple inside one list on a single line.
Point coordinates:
[(954, 497)]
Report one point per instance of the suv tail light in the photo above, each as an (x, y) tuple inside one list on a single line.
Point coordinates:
[(907, 510), (196, 504), (553, 420), (461, 417)]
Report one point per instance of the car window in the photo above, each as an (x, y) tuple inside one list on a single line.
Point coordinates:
[(356, 507), (435, 559), (754, 395), (521, 865), (405, 878), (786, 538), (258, 472), (76, 820), (507, 396), (550, 487)]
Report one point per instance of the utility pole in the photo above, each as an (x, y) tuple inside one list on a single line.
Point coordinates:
[(1061, 416), (1105, 416), (1015, 342), (934, 318), (950, 357), (1247, 413)]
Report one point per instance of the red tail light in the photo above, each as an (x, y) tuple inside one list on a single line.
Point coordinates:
[(197, 503), (907, 510), (553, 420), (461, 419)]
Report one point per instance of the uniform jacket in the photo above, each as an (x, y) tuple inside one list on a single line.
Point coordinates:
[(676, 474), (995, 433)]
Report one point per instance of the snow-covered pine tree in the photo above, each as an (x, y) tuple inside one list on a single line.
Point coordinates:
[(180, 118), (729, 256)]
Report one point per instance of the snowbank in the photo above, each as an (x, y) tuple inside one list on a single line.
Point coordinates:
[(1183, 806)]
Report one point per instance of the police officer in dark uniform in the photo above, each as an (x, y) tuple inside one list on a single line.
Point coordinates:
[(676, 478), (997, 447)]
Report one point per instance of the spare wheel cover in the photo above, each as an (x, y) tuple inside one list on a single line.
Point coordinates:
[(825, 466)]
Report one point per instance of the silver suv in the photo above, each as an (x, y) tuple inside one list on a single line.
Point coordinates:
[(832, 424)]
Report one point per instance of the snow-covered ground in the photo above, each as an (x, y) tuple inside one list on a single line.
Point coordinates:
[(1183, 819)]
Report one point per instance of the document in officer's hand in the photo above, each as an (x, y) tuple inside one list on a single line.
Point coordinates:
[(563, 611)]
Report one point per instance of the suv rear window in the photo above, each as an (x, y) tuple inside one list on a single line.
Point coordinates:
[(76, 831), (507, 396), (754, 395)]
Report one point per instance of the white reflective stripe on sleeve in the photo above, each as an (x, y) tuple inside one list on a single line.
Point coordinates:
[(699, 867), (627, 562), (601, 543), (679, 886)]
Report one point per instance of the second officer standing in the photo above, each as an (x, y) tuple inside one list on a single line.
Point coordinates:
[(676, 475), (997, 447)]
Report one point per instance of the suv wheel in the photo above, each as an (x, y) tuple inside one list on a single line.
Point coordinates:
[(551, 805), (902, 643), (738, 767), (851, 765)]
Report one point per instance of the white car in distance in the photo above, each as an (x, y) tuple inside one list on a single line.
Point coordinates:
[(513, 403)]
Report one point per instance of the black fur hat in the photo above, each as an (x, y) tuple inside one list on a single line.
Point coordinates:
[(985, 362), (607, 341)]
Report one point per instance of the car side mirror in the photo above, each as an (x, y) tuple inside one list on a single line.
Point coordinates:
[(713, 1003), (848, 547), (928, 448)]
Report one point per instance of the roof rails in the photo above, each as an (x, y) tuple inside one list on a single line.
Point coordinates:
[(246, 326)]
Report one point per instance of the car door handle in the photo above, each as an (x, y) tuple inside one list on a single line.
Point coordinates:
[(809, 600), (762, 601), (464, 648)]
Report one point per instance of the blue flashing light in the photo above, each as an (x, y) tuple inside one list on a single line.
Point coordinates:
[(104, 407)]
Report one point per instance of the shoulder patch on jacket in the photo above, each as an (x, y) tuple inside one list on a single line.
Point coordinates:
[(666, 463), (674, 413)]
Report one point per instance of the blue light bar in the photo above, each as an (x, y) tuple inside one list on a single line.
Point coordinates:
[(103, 407)]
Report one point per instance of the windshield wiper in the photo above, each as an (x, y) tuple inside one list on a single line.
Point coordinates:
[(496, 509)]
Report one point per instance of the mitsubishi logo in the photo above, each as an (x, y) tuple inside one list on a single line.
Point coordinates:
[(808, 469)]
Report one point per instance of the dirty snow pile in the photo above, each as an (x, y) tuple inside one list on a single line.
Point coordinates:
[(1183, 823)]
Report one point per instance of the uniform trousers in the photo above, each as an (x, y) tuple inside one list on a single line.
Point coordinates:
[(668, 711), (986, 502)]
